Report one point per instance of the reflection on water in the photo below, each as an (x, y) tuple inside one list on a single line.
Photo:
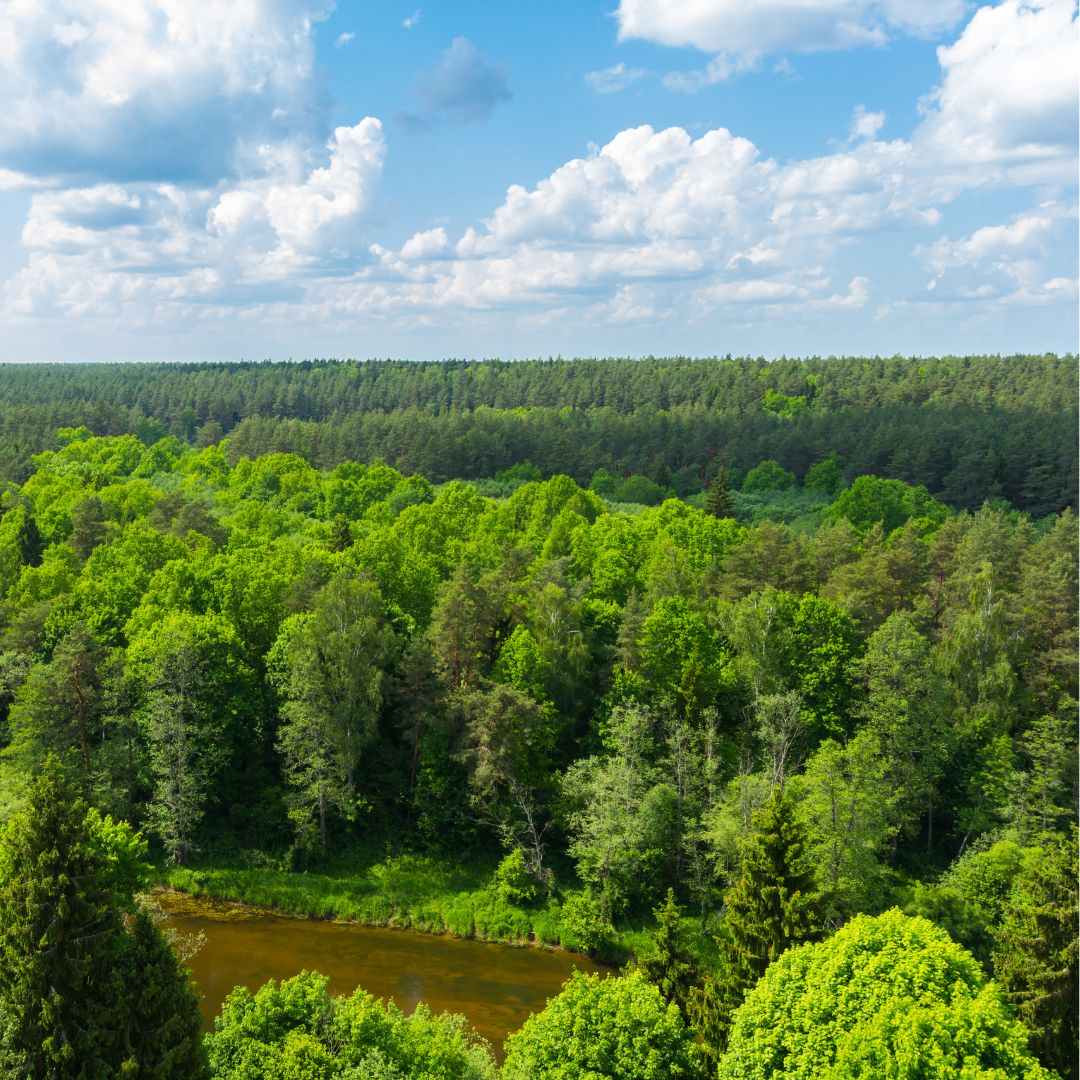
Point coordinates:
[(495, 986)]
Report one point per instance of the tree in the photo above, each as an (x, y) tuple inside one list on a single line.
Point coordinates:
[(193, 685), (88, 985), (296, 1029), (904, 710), (718, 501), (885, 996), (603, 1028), (769, 909), (620, 816), (1036, 954), (330, 668), (768, 476), (668, 963), (510, 739)]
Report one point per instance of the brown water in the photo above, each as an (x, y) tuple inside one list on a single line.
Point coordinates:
[(495, 986)]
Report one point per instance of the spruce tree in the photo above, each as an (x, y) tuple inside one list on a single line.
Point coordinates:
[(669, 965), (1037, 956), (718, 500), (81, 994), (769, 908)]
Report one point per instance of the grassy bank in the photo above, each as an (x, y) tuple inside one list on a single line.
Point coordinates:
[(405, 891)]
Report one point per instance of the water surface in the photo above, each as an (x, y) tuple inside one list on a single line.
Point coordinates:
[(495, 986)]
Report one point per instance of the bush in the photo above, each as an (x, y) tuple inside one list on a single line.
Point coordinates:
[(585, 928), (512, 882)]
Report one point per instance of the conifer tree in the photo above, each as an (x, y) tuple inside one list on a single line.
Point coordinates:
[(81, 994), (718, 500), (669, 966), (1037, 956), (769, 908)]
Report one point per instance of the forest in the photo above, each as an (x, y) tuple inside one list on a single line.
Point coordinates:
[(757, 680)]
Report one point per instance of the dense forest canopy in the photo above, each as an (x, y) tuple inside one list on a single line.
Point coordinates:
[(826, 701), (968, 428)]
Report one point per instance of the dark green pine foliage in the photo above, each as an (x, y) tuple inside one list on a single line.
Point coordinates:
[(718, 500), (80, 994), (769, 908), (1036, 955), (669, 965)]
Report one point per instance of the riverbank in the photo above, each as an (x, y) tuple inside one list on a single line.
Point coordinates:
[(405, 892)]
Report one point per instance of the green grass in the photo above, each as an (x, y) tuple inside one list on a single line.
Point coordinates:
[(406, 891)]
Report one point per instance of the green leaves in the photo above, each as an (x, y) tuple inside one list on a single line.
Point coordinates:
[(886, 997), (603, 1029)]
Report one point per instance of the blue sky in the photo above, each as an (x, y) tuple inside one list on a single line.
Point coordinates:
[(276, 178)]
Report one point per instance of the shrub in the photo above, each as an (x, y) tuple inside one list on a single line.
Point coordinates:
[(512, 882), (585, 928)]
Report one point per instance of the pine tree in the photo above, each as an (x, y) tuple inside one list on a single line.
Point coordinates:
[(718, 500), (767, 910), (669, 966)]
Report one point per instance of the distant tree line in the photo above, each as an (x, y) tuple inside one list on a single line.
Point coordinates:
[(967, 428)]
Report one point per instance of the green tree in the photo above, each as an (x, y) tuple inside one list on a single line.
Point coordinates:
[(1036, 954), (667, 962), (621, 817), (509, 743), (886, 996), (770, 908), (194, 687), (83, 992), (330, 668), (599, 1028), (718, 501), (768, 476), (299, 1031)]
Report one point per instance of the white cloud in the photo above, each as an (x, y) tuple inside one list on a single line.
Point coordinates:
[(412, 20), (151, 89), (719, 69), (344, 39), (737, 28), (611, 80), (865, 124), (1009, 93), (655, 225)]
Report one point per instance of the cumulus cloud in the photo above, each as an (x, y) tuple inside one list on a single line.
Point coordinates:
[(344, 39), (611, 80), (1008, 95), (655, 225), (152, 89), (412, 20), (462, 88)]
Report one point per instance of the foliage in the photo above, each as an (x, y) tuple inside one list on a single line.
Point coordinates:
[(1035, 954), (298, 1031), (886, 996), (82, 992), (770, 908), (603, 1027)]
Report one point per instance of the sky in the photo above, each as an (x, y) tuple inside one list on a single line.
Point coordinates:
[(190, 180)]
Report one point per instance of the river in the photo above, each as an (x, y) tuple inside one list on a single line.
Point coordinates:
[(495, 986)]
